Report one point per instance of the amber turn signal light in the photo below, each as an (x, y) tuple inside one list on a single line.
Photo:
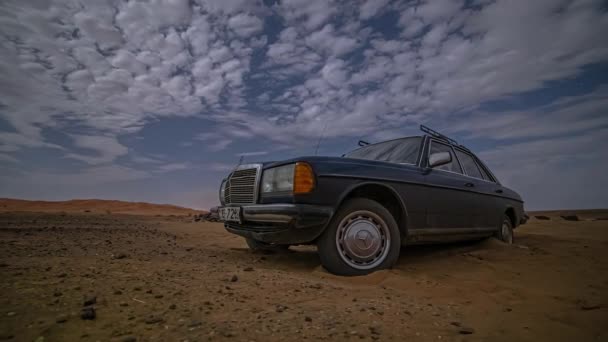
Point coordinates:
[(304, 178)]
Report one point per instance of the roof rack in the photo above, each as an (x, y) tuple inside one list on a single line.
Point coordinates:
[(440, 136)]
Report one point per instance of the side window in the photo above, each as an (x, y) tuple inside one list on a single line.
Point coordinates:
[(469, 165), (485, 174), (452, 166)]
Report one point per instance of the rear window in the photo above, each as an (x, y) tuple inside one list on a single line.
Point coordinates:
[(397, 151)]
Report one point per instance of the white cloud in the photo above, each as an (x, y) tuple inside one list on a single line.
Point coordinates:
[(245, 25), (106, 149), (311, 13), (370, 8)]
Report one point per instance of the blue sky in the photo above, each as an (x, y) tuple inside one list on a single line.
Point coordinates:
[(156, 100)]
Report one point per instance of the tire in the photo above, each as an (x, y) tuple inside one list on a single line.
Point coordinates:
[(256, 245), (361, 238), (505, 231)]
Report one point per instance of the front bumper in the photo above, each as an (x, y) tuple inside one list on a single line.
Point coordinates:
[(281, 223)]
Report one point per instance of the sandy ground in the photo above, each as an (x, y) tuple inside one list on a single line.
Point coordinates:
[(169, 279)]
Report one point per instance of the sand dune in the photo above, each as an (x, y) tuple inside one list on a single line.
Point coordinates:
[(94, 206)]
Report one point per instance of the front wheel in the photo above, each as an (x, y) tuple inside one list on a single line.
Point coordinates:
[(505, 234), (362, 237)]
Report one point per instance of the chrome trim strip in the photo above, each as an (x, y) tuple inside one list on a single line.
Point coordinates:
[(433, 231)]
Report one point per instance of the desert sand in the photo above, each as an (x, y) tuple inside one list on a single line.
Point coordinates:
[(163, 278), (94, 206)]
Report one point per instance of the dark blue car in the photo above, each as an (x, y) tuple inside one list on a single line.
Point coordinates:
[(360, 209)]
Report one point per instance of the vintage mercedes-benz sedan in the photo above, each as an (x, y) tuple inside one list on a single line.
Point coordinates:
[(359, 209)]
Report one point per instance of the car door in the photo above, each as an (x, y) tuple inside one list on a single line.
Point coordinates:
[(485, 202), (451, 203)]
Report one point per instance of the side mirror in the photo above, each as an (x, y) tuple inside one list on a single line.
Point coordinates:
[(440, 158)]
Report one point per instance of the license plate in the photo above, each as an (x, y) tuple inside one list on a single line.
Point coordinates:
[(232, 214)]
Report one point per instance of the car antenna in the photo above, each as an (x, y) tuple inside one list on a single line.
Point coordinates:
[(362, 143), (320, 138)]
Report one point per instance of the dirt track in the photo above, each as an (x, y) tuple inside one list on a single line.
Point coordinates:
[(169, 279)]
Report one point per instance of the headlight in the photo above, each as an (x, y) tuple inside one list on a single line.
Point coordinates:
[(278, 179), (297, 178), (223, 192)]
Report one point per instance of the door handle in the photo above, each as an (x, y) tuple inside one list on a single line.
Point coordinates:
[(469, 185), (498, 191)]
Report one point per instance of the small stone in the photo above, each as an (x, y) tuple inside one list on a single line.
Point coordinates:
[(57, 294), (120, 256), (588, 306), (466, 330), (11, 313), (128, 338), (248, 269), (62, 318), (89, 300), (234, 278), (194, 324), (374, 330), (308, 319), (88, 313), (172, 306), (62, 275), (152, 319), (281, 308), (117, 292)]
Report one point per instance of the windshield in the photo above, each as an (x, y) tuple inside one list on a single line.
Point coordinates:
[(403, 150)]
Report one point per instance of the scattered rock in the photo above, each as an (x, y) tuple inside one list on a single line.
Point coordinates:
[(6, 336), (120, 256), (89, 300), (281, 308), (153, 319), (128, 338), (117, 292), (57, 294), (172, 306), (11, 313), (88, 313), (465, 330), (374, 330), (308, 319), (61, 318), (248, 269), (234, 278), (542, 217), (195, 324), (589, 305), (570, 217)]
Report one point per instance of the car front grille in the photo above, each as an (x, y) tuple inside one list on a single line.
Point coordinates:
[(241, 185)]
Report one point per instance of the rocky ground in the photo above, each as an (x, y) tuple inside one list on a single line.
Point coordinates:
[(109, 277)]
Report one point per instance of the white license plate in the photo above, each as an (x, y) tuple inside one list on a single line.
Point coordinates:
[(232, 214)]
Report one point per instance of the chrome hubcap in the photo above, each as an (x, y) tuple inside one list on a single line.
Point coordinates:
[(363, 239)]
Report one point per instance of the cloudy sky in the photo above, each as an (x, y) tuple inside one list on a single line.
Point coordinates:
[(155, 100)]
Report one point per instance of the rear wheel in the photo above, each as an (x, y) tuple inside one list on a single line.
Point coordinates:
[(363, 237), (256, 245), (505, 234)]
